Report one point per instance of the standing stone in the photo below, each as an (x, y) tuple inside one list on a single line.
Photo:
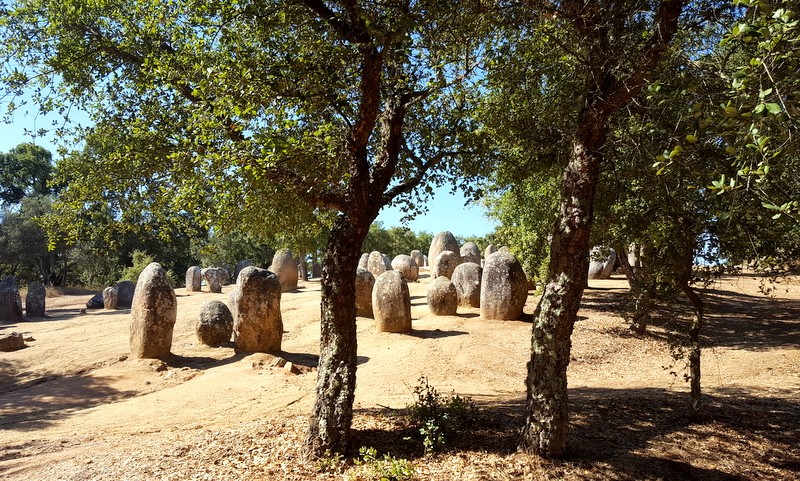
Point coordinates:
[(125, 292), (316, 270), (153, 313), (470, 253), (443, 241), (365, 282), (378, 263), (442, 297), (214, 324), (467, 280), (10, 301), (444, 264), (35, 300), (418, 257), (239, 266), (504, 287), (490, 249), (194, 279), (110, 298), (601, 262), (391, 303), (285, 267), (407, 267), (363, 262), (215, 278), (226, 275), (256, 309)]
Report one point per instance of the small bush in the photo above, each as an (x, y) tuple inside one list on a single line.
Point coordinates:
[(438, 417), (370, 466)]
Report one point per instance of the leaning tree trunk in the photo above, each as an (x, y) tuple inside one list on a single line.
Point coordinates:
[(545, 430), (336, 378)]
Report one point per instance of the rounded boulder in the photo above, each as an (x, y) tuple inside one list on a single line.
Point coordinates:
[(407, 267), (391, 303), (256, 309), (194, 279), (504, 287), (285, 267), (470, 253), (365, 282), (444, 264), (443, 241), (442, 297), (214, 324), (467, 280), (153, 313)]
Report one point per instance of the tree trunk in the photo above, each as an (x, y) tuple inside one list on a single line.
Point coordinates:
[(641, 290), (336, 377), (694, 348), (545, 430)]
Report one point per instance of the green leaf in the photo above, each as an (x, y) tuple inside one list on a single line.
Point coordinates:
[(773, 108)]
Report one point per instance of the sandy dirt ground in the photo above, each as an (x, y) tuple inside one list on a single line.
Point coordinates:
[(74, 406)]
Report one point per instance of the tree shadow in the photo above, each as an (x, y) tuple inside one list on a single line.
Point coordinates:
[(434, 334), (38, 404), (630, 434), (732, 319)]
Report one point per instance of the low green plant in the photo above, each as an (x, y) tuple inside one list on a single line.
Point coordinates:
[(437, 417), (370, 466), (330, 463)]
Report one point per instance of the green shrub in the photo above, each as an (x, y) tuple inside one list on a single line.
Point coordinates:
[(438, 418), (370, 466)]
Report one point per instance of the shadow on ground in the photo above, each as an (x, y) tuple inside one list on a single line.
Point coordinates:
[(631, 434)]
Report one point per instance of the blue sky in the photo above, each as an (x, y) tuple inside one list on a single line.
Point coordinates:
[(446, 211)]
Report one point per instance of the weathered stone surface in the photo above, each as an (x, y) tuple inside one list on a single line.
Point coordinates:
[(226, 279), (110, 298), (407, 267), (316, 270), (365, 282), (214, 324), (215, 278), (601, 262), (35, 300), (194, 279), (504, 287), (13, 341), (96, 301), (418, 257), (363, 262), (378, 263), (153, 313), (467, 280), (10, 301), (391, 303), (470, 253), (125, 292), (444, 264), (442, 297), (256, 309), (285, 267), (444, 241), (490, 249), (239, 266)]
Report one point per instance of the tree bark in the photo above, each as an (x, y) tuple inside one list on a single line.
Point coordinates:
[(545, 430), (336, 376)]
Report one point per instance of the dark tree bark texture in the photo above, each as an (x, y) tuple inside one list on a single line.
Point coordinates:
[(547, 420)]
